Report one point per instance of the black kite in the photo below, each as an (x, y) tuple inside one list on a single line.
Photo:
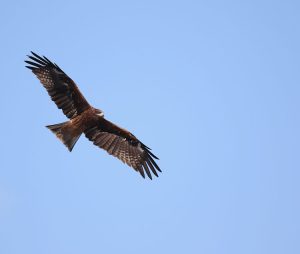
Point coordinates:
[(88, 120)]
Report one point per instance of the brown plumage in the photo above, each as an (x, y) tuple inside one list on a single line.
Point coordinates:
[(88, 120)]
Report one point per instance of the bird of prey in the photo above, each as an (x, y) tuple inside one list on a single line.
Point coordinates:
[(83, 118)]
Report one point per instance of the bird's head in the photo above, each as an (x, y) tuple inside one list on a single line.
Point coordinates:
[(99, 112)]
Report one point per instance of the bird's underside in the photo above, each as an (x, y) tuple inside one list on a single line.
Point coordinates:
[(83, 118)]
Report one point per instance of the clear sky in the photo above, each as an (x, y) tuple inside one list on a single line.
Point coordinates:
[(213, 87)]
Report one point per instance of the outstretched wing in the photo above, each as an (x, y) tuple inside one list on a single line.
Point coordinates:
[(123, 145), (61, 88)]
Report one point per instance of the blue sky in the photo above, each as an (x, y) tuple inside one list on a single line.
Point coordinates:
[(211, 86)]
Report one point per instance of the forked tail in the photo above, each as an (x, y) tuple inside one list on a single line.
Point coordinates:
[(64, 133)]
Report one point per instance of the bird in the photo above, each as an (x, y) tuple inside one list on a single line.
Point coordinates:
[(84, 118)]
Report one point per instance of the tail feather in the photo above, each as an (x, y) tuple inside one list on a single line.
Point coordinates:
[(64, 134)]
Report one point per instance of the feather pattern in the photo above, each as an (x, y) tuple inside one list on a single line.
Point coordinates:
[(61, 88), (124, 146)]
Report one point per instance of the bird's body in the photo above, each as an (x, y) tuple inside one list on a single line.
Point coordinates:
[(69, 132), (88, 120)]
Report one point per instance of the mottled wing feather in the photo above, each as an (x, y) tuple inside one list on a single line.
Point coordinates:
[(123, 146), (61, 88)]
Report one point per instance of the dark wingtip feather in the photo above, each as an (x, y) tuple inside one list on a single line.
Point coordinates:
[(154, 163), (152, 154), (152, 168), (144, 146), (47, 60), (149, 160), (147, 170), (30, 67), (33, 64), (142, 173), (43, 63), (37, 61), (40, 62), (139, 168), (37, 56)]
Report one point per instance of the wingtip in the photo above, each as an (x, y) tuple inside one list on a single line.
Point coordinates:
[(33, 53), (29, 67)]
